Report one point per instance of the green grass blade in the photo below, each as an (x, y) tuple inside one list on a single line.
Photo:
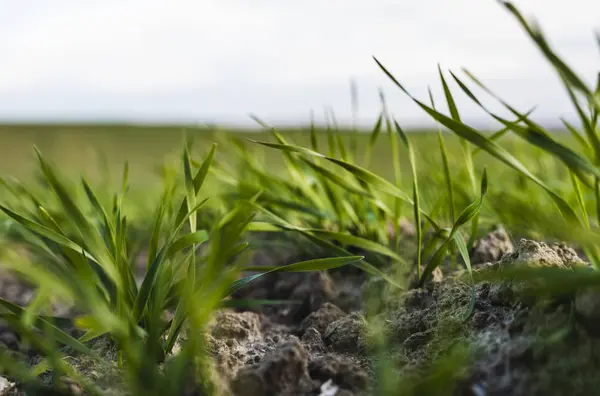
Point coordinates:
[(535, 33), (340, 181), (577, 136), (362, 243), (60, 335), (416, 199), (195, 238), (321, 264), (580, 200), (446, 166), (372, 140), (492, 148), (314, 143), (464, 252), (359, 172), (363, 265), (466, 215)]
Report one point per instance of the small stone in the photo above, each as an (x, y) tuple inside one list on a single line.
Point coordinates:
[(491, 247), (347, 334), (322, 318)]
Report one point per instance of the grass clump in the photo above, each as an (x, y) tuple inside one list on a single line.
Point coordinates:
[(87, 264)]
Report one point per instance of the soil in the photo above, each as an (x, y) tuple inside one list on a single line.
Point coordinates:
[(323, 344)]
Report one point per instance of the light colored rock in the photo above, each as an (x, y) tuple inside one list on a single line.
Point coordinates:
[(534, 254), (5, 385)]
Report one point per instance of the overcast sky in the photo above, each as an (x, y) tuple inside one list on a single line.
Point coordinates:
[(218, 61)]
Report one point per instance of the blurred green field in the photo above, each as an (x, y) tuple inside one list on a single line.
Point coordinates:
[(89, 148)]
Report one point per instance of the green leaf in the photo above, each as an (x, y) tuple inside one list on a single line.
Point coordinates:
[(535, 33), (320, 264), (492, 148), (362, 243), (60, 335), (416, 199), (464, 252), (149, 281), (360, 173), (188, 240), (363, 265), (467, 214)]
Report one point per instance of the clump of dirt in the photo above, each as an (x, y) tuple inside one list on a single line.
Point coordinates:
[(256, 356), (290, 370), (539, 254), (322, 318), (543, 348), (237, 339), (347, 335), (282, 371)]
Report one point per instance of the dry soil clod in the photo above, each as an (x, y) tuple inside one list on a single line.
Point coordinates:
[(279, 372), (347, 334), (322, 318)]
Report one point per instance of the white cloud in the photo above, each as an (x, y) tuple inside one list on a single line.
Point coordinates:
[(151, 59)]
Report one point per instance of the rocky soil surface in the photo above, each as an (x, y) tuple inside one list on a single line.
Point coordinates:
[(322, 344)]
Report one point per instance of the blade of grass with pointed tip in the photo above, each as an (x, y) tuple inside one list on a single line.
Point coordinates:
[(535, 135), (362, 243), (363, 265), (321, 264), (198, 180), (416, 199), (467, 154), (561, 67), (445, 166), (359, 172), (464, 252), (588, 125), (580, 200), (492, 148), (153, 271), (466, 215), (395, 161), (577, 136), (340, 181), (372, 140), (61, 336), (456, 116)]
